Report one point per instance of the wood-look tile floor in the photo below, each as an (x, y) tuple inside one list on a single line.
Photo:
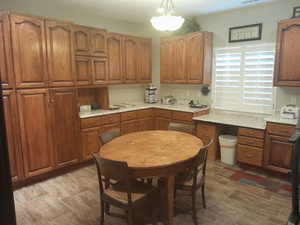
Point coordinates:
[(73, 199)]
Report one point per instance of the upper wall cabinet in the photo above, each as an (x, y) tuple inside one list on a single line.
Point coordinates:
[(144, 59), (115, 58), (89, 41), (130, 59), (29, 51), (60, 52), (6, 70), (186, 59), (287, 69)]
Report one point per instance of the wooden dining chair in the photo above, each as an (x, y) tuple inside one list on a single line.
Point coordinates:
[(193, 179), (107, 136), (127, 193), (186, 128)]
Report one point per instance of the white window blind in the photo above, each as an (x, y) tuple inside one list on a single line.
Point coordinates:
[(243, 78)]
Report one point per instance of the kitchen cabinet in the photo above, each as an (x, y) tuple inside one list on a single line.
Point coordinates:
[(65, 124), (130, 126), (162, 123), (35, 128), (83, 70), (179, 60), (98, 42), (199, 65), (278, 150), (29, 51), (187, 59), (60, 52), (130, 48), (144, 60), (12, 131), (250, 146), (207, 132), (166, 68), (90, 142), (6, 70), (99, 70), (146, 124), (287, 70), (115, 58), (89, 41)]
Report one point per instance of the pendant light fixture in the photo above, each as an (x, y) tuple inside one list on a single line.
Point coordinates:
[(166, 21)]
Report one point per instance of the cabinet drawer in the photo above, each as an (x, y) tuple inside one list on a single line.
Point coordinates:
[(129, 116), (91, 122), (280, 129), (141, 114), (163, 113), (252, 133), (251, 141), (250, 155), (184, 116), (115, 118)]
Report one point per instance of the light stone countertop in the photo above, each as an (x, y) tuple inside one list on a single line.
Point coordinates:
[(275, 118), (139, 106), (249, 120)]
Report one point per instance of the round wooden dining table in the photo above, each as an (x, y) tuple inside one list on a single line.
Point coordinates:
[(155, 154)]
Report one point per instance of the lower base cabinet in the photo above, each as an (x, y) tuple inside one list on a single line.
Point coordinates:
[(162, 123), (35, 130), (130, 126), (65, 125), (12, 133), (90, 142)]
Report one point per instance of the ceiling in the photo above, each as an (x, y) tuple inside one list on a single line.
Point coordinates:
[(142, 10)]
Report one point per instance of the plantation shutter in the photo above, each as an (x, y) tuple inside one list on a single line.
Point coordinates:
[(243, 78)]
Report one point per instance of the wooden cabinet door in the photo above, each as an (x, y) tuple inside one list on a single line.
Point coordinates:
[(147, 124), (90, 142), (166, 56), (35, 127), (144, 61), (98, 42), (195, 58), (99, 70), (278, 153), (162, 123), (83, 70), (130, 45), (29, 52), (65, 123), (287, 70), (179, 60), (129, 126), (6, 70), (12, 131), (60, 52), (114, 52), (82, 40)]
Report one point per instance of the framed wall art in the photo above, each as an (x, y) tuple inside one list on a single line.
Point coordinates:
[(251, 32)]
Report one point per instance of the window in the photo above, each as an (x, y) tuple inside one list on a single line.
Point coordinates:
[(243, 78)]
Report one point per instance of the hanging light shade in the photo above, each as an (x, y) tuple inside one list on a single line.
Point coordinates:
[(166, 21)]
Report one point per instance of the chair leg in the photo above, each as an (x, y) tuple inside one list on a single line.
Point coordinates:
[(194, 208), (102, 214), (203, 196), (130, 217), (107, 208)]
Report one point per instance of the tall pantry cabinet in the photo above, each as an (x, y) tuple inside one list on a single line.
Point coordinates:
[(42, 119)]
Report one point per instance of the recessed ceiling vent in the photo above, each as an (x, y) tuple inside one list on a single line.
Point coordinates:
[(249, 1)]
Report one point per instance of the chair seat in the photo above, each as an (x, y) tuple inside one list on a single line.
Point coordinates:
[(119, 192)]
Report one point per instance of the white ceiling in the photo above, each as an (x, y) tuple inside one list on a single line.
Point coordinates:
[(142, 10)]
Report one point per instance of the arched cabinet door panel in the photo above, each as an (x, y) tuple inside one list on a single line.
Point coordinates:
[(60, 53), (287, 70), (98, 42), (145, 60), (29, 51), (115, 59), (82, 40), (130, 59)]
